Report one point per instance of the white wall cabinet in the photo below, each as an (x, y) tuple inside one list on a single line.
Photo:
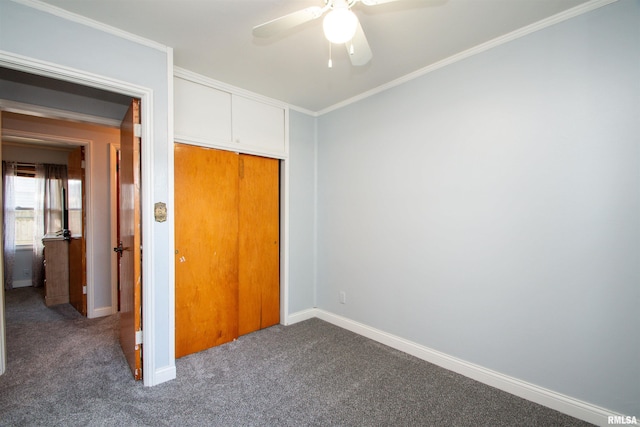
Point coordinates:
[(208, 116), (202, 113), (257, 125)]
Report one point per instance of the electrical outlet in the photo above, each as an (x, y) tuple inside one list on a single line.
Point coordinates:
[(343, 297)]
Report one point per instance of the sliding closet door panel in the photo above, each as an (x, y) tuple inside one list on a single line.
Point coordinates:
[(259, 243), (206, 240)]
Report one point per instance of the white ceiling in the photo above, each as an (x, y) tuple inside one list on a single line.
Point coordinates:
[(213, 38)]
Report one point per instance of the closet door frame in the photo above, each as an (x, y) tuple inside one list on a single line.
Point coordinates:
[(284, 210)]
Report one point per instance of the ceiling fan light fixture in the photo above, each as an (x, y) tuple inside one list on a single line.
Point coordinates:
[(340, 25)]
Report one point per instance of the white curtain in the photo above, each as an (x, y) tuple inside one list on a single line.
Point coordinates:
[(9, 172), (48, 212)]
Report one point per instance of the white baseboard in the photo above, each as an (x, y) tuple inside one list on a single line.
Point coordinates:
[(101, 312), (301, 316), (551, 399), (164, 374), (21, 283)]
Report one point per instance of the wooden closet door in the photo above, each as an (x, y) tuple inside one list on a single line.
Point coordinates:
[(259, 243), (206, 239)]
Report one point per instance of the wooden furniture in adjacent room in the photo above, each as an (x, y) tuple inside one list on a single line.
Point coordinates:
[(56, 270)]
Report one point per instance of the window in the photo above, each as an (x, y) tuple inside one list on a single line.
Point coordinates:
[(25, 196)]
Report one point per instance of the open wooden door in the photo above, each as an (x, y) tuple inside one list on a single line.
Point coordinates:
[(130, 245), (77, 245)]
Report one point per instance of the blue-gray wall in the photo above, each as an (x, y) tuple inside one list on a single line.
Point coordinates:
[(490, 209), (302, 195)]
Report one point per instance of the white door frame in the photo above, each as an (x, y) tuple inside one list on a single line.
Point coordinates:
[(3, 346), (76, 142), (55, 71)]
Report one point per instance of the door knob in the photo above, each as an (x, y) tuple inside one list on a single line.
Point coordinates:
[(119, 249)]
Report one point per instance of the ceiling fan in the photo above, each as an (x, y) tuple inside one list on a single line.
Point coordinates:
[(341, 26)]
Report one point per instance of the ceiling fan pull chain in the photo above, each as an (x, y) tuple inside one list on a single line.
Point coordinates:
[(330, 61), (351, 50)]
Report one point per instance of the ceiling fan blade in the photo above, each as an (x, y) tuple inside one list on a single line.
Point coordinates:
[(286, 22), (358, 48)]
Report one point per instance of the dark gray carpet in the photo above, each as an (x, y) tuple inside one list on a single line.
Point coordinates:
[(65, 370)]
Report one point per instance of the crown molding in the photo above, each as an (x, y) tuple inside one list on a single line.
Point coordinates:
[(552, 20), (45, 7)]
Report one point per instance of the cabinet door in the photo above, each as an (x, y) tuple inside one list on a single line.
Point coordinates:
[(202, 113), (257, 125)]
